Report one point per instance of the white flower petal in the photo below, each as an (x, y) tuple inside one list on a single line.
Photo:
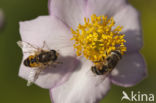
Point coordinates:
[(71, 12), (82, 87), (105, 7), (48, 29), (57, 37), (130, 70), (130, 20)]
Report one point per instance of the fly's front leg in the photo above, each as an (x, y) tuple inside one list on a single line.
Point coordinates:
[(45, 45)]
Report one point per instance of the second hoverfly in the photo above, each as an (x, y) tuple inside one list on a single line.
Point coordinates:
[(112, 60), (38, 59)]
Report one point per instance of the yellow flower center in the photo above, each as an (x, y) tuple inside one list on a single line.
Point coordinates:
[(96, 38)]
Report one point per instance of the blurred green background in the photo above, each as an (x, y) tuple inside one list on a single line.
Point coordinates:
[(14, 90)]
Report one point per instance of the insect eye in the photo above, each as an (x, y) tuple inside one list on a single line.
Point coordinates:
[(53, 51)]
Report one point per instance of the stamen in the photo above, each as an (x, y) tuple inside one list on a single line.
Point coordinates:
[(96, 38)]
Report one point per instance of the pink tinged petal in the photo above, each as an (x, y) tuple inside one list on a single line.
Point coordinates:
[(82, 87), (130, 70), (57, 36), (130, 20), (48, 29), (105, 7), (71, 12)]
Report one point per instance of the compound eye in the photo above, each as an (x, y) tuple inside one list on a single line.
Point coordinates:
[(53, 51)]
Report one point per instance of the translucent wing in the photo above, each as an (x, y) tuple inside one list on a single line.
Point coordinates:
[(33, 75), (27, 47)]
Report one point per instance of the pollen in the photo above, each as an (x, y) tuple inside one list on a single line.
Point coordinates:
[(97, 37)]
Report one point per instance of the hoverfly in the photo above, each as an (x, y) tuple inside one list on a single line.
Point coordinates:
[(101, 68), (38, 59)]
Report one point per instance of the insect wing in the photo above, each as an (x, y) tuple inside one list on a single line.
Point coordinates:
[(33, 75), (26, 47)]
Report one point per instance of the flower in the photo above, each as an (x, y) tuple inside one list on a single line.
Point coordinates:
[(96, 39), (73, 81), (83, 86)]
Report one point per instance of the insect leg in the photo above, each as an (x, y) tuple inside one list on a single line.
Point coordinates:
[(45, 45)]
